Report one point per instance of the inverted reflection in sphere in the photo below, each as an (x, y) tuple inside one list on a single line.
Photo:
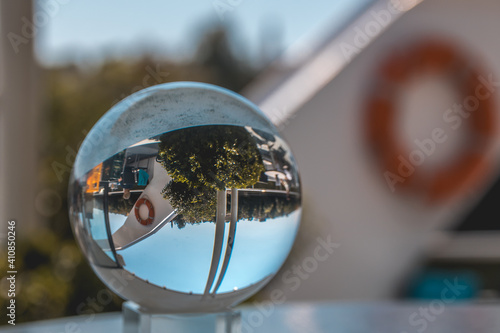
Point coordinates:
[(184, 198)]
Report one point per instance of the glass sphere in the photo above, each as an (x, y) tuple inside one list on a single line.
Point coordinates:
[(184, 198)]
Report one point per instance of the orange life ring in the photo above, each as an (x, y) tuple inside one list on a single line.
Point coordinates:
[(151, 216), (431, 57)]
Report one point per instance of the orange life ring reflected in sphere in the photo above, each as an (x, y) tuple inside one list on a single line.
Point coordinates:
[(151, 209), (434, 58)]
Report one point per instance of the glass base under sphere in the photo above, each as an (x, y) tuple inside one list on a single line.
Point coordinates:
[(136, 320), (184, 198)]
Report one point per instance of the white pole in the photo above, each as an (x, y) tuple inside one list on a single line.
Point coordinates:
[(218, 239)]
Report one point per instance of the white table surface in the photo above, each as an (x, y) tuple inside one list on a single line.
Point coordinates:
[(317, 317)]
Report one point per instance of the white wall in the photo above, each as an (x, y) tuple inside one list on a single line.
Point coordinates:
[(382, 235)]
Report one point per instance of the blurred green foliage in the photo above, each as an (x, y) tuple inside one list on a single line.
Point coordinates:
[(54, 279)]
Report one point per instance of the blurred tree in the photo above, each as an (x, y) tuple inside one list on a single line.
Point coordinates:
[(214, 53)]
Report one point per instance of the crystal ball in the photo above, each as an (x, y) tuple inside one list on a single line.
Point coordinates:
[(184, 198)]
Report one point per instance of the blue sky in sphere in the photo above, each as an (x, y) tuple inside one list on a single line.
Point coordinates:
[(87, 30), (180, 258)]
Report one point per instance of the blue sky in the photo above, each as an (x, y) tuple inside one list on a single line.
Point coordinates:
[(88, 29)]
